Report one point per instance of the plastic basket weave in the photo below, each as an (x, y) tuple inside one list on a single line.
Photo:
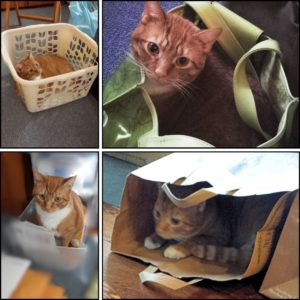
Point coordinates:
[(60, 39)]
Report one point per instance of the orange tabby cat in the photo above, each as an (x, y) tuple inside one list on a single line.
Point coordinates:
[(58, 208), (222, 229), (171, 49), (42, 66), (190, 81)]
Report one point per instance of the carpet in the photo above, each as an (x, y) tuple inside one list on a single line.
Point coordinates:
[(119, 19), (74, 125)]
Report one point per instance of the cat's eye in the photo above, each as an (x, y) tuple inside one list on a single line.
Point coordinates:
[(182, 61), (156, 214), (175, 221), (57, 198), (153, 48), (42, 196)]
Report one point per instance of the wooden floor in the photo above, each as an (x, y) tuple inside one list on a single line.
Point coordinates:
[(121, 280)]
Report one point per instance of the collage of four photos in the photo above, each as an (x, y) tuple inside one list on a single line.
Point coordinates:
[(150, 150)]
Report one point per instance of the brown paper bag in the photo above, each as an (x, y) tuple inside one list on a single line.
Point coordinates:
[(282, 278), (135, 222)]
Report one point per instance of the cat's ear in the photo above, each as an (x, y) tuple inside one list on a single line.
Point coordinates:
[(69, 182), (153, 11), (208, 37), (158, 187), (38, 177), (18, 68), (201, 207), (159, 191)]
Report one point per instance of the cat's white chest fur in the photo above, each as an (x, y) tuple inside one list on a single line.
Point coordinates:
[(53, 219)]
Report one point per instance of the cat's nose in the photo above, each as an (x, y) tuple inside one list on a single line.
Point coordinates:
[(48, 204), (161, 72)]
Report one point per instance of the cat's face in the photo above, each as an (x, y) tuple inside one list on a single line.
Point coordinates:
[(29, 68), (171, 49), (52, 192), (172, 222)]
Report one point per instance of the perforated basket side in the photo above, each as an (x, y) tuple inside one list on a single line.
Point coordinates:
[(58, 90), (79, 49), (60, 39)]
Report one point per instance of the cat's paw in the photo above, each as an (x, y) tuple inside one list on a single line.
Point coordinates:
[(175, 252), (75, 243), (150, 244)]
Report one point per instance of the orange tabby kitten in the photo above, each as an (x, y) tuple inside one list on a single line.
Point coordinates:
[(42, 66), (222, 229), (58, 208)]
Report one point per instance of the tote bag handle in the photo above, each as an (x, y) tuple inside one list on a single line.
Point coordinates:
[(238, 35), (239, 39)]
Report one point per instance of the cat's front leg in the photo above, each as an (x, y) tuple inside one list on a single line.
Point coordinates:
[(178, 251), (153, 241), (75, 243), (66, 240)]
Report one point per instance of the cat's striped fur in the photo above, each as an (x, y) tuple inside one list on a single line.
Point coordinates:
[(221, 229), (58, 208), (42, 66)]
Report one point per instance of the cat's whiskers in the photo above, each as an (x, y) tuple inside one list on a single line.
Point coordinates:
[(187, 95), (137, 62), (179, 84), (192, 89), (132, 59), (182, 87)]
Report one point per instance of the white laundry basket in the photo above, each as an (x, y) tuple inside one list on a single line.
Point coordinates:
[(60, 39)]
